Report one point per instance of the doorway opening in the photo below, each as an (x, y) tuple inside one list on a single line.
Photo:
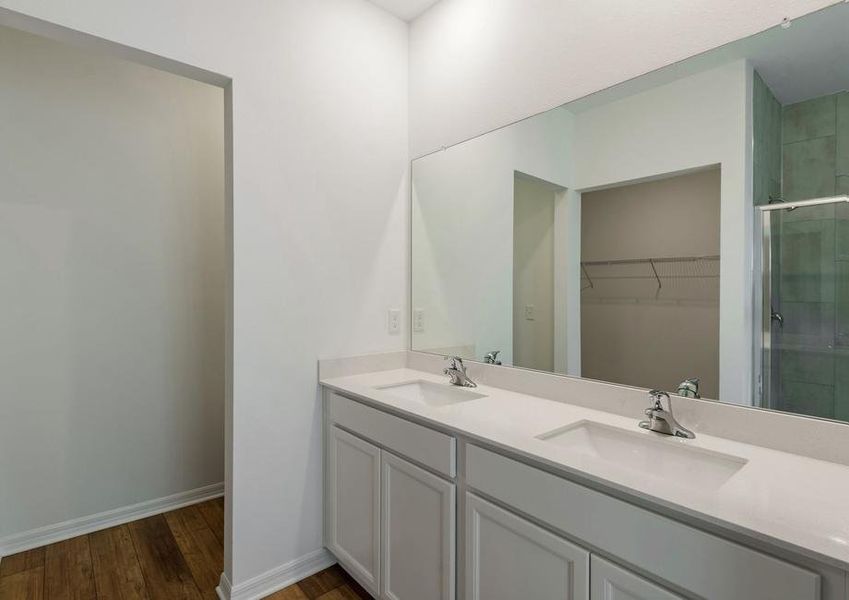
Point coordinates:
[(116, 237), (539, 263)]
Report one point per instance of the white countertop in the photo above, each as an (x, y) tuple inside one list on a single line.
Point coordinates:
[(798, 502)]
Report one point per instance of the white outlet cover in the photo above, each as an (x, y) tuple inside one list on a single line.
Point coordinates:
[(530, 312), (394, 320)]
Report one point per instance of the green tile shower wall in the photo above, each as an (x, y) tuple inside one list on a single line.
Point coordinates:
[(841, 384), (842, 120), (841, 213), (810, 168), (810, 119), (808, 366), (809, 399), (766, 121), (807, 258), (842, 306), (801, 151), (815, 145)]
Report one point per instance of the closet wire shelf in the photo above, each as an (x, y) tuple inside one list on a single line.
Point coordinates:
[(663, 271)]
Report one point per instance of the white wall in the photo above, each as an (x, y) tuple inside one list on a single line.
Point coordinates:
[(320, 150), (463, 230), (477, 64), (112, 278), (697, 121)]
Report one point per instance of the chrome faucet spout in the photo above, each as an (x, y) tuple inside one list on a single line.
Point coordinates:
[(661, 420)]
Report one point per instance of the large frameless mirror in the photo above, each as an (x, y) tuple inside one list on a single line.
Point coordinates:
[(685, 230)]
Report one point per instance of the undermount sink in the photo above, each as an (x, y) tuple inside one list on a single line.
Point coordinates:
[(647, 455), (431, 393)]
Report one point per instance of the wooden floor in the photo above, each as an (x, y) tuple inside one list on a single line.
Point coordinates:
[(179, 554)]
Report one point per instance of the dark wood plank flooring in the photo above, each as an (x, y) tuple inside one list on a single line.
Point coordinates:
[(177, 555)]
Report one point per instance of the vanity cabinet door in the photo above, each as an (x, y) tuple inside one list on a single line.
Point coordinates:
[(418, 533), (508, 557), (612, 582), (354, 506)]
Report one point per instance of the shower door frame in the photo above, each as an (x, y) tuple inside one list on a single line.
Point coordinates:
[(763, 293)]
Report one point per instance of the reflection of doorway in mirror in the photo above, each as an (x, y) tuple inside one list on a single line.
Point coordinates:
[(650, 274), (534, 203)]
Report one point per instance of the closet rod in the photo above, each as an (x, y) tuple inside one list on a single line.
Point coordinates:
[(636, 261)]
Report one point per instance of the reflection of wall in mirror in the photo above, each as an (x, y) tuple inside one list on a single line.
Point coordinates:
[(533, 274), (462, 231), (462, 213)]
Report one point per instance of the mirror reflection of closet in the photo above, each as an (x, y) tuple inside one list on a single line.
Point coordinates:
[(650, 282)]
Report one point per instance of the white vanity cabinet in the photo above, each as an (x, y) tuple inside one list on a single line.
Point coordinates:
[(353, 497), (700, 563), (418, 527), (389, 522), (508, 557), (391, 497), (612, 582)]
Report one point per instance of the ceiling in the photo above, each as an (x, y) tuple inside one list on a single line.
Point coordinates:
[(405, 9), (808, 59)]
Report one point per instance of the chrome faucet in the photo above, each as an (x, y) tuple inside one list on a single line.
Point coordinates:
[(491, 358), (689, 388), (456, 372), (661, 420)]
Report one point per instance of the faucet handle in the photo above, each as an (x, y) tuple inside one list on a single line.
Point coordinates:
[(456, 364), (657, 397), (663, 421)]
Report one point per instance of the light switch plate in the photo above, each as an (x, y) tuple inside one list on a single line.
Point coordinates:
[(418, 320), (530, 312)]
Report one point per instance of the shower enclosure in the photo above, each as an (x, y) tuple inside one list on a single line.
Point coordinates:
[(805, 306)]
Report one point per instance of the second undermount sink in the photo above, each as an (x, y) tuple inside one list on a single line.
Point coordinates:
[(647, 455), (430, 392)]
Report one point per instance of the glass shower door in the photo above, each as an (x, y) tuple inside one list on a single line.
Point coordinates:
[(805, 310)]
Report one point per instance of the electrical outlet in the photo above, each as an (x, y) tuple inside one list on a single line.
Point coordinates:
[(394, 321), (418, 320), (530, 312)]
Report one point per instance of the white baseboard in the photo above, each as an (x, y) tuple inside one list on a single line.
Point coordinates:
[(49, 534), (224, 589), (277, 578)]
